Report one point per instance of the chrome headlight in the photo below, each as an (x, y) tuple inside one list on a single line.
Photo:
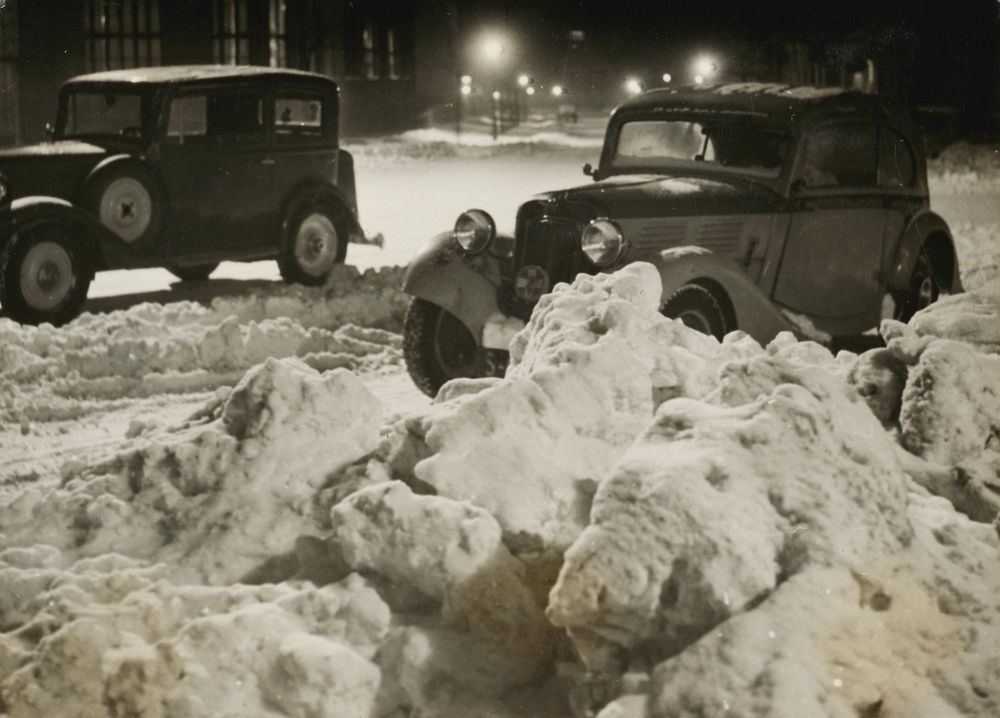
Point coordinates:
[(602, 242), (474, 230)]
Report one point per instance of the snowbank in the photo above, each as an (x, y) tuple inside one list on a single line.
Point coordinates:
[(963, 168), (214, 498), (50, 374)]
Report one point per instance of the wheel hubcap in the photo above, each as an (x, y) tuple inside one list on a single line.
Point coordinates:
[(46, 275), (126, 208), (316, 244), (455, 347)]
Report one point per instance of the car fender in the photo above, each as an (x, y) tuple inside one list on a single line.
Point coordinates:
[(104, 164), (923, 225), (104, 248), (317, 190), (464, 285), (747, 306)]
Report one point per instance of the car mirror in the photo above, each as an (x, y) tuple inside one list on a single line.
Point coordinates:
[(588, 169)]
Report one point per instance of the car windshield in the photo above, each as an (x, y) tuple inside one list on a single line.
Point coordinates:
[(746, 146), (95, 114)]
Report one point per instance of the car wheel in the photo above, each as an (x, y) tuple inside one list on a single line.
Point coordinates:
[(437, 347), (698, 309), (922, 291), (44, 276), (316, 240), (127, 200), (194, 272)]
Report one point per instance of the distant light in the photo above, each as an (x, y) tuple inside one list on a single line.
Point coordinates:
[(633, 86), (523, 80), (666, 77), (496, 94), (530, 90), (698, 79), (466, 90), (466, 79), (705, 66), (557, 90), (493, 48)]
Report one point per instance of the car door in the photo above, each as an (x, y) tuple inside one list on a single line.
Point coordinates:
[(305, 139), (217, 169), (831, 266)]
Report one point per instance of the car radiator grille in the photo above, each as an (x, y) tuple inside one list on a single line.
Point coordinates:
[(554, 246)]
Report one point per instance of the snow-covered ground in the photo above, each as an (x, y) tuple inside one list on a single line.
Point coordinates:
[(231, 502)]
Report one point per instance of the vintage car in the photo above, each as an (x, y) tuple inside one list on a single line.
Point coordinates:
[(176, 167), (765, 208)]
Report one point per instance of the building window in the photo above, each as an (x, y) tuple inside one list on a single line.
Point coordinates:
[(277, 35), (232, 32), (374, 52), (9, 126), (121, 33)]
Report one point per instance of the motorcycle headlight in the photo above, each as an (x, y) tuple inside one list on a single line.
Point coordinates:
[(602, 242), (474, 230)]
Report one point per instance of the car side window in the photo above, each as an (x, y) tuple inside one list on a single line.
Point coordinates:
[(298, 119), (841, 155), (221, 116), (896, 169)]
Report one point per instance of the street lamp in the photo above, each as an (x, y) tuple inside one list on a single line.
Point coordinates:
[(466, 89), (633, 86), (466, 80), (557, 90), (704, 67), (493, 48), (698, 79), (530, 91), (496, 113), (666, 78), (523, 80)]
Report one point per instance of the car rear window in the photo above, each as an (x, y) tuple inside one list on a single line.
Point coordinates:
[(746, 146), (298, 119), (113, 114)]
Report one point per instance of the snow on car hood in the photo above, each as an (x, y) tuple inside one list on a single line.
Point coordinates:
[(657, 195), (48, 149)]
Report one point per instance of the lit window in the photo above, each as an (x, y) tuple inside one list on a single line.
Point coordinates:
[(232, 32), (277, 37), (121, 34)]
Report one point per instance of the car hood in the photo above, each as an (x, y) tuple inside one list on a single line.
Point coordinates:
[(62, 148), (658, 195)]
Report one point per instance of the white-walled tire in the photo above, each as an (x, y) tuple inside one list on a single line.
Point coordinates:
[(315, 240), (44, 276)]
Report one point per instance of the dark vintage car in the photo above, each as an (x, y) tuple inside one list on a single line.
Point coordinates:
[(176, 167), (765, 208)]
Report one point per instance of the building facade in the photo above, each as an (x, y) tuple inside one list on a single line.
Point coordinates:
[(368, 47)]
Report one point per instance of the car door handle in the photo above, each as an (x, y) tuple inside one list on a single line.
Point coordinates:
[(267, 161)]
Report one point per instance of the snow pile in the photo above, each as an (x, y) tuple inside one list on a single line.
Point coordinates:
[(109, 637), (964, 168), (220, 495), (185, 347), (978, 248), (586, 374), (637, 521)]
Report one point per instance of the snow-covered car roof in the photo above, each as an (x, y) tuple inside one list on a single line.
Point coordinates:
[(778, 101), (175, 74)]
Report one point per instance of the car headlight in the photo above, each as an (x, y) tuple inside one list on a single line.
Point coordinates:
[(602, 242), (474, 230)]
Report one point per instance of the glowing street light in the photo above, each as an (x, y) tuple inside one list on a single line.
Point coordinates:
[(698, 79), (705, 67), (633, 86), (557, 90), (496, 94), (466, 80), (530, 90), (523, 80), (667, 78), (493, 48), (466, 89)]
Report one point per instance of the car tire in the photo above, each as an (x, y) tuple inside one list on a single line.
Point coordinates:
[(127, 199), (44, 276), (923, 289), (315, 241), (698, 309), (437, 347), (193, 272)]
